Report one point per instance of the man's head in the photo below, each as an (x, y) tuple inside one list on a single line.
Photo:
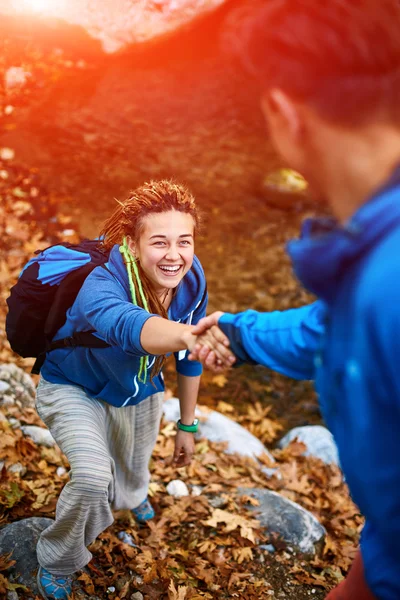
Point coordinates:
[(325, 67)]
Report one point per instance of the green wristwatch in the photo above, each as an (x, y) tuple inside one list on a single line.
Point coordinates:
[(190, 428)]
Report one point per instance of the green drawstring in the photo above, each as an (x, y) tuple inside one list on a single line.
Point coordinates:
[(131, 265)]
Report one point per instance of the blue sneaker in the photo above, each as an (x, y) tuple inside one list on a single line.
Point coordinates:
[(53, 587), (144, 512)]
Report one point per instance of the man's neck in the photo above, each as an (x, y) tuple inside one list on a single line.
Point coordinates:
[(364, 166)]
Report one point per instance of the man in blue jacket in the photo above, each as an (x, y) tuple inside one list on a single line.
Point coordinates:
[(330, 73)]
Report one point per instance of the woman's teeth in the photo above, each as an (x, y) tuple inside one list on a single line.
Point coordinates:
[(170, 270)]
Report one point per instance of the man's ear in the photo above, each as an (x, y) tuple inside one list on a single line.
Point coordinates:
[(282, 113)]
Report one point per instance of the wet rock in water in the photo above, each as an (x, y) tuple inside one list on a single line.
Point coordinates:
[(21, 538), (295, 525), (215, 427), (21, 388), (319, 442), (41, 437)]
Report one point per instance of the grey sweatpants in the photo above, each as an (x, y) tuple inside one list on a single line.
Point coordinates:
[(108, 449)]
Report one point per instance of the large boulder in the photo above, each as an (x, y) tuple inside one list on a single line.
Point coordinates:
[(217, 428), (21, 538), (295, 525), (319, 442)]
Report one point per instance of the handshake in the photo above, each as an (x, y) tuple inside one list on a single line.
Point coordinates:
[(210, 346)]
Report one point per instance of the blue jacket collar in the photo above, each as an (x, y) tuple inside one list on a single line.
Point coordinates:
[(325, 250)]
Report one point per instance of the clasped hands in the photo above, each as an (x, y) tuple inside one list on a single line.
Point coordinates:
[(210, 345)]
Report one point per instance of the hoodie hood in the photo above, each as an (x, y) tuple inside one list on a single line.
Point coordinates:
[(325, 249), (189, 292)]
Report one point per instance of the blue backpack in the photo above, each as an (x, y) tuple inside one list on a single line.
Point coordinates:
[(45, 290)]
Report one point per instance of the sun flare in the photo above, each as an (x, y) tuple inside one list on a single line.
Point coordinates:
[(39, 6)]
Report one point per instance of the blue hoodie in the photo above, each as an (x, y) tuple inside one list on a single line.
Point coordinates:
[(103, 304), (353, 332)]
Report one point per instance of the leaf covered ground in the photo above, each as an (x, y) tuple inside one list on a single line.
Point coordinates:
[(195, 548)]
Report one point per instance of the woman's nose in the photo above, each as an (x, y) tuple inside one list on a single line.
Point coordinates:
[(173, 253)]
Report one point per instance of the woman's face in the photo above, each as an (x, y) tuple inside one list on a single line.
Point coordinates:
[(165, 248)]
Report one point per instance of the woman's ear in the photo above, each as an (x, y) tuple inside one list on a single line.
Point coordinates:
[(131, 245)]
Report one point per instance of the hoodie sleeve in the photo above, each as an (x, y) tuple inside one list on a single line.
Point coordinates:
[(103, 304), (284, 341), (192, 368)]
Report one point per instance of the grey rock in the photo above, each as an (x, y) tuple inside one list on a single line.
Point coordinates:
[(22, 388), (12, 595), (217, 428), (137, 596), (295, 525), (41, 436), (4, 387), (319, 442), (21, 538), (17, 468)]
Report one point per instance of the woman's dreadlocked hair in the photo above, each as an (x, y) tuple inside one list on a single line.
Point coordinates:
[(127, 221)]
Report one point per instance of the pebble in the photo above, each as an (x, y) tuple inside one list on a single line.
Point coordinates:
[(4, 387), (18, 469), (61, 471), (197, 490), (137, 596), (177, 488), (126, 538)]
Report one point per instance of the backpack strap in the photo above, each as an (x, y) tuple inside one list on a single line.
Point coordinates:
[(79, 338)]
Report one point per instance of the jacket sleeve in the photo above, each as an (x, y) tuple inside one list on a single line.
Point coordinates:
[(192, 368), (103, 303), (284, 341), (373, 385)]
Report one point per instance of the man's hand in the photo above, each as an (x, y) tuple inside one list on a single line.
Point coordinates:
[(212, 345), (184, 448)]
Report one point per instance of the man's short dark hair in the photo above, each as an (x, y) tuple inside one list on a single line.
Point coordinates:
[(341, 56)]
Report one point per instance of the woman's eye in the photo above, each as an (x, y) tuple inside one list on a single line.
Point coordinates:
[(159, 244), (185, 243)]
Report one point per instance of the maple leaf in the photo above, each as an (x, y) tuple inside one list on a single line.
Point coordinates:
[(220, 380), (242, 554), (176, 594), (87, 582), (232, 521)]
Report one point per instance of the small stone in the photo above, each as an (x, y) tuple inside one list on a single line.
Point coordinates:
[(197, 490), (126, 538), (61, 471), (177, 488), (268, 548), (137, 596), (4, 387), (218, 501), (40, 436), (111, 589), (12, 595), (15, 424), (18, 469)]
